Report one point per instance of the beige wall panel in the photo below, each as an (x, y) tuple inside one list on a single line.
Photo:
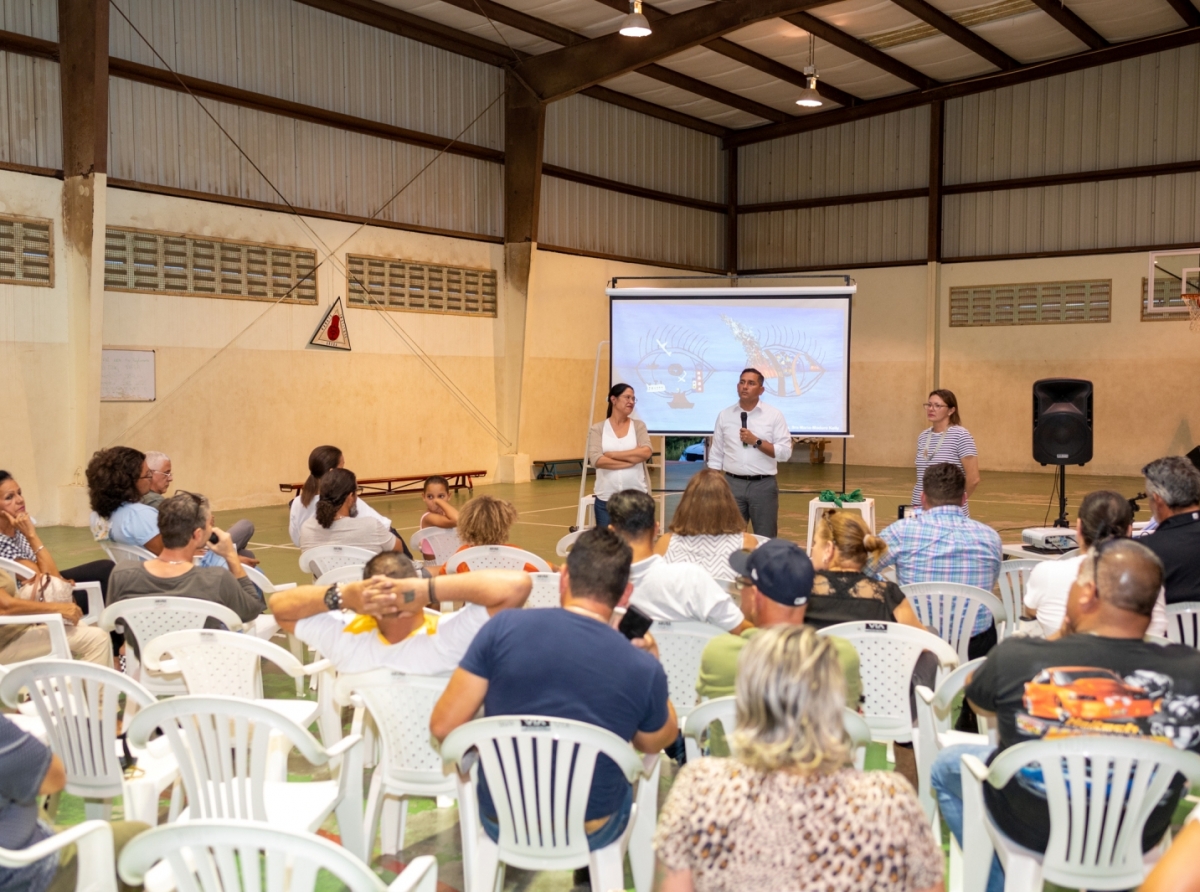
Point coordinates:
[(833, 236), (591, 219), (292, 51), (608, 141), (37, 18), (873, 155), (30, 111)]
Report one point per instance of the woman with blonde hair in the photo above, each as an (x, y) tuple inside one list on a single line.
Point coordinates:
[(486, 520), (788, 810), (707, 527), (842, 592)]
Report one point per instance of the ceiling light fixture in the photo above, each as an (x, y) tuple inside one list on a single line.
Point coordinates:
[(635, 24), (809, 97)]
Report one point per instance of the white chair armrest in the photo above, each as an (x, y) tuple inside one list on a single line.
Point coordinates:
[(318, 667), (976, 767), (95, 601), (924, 693), (94, 842), (419, 876), (649, 763), (59, 648), (345, 745), (977, 841)]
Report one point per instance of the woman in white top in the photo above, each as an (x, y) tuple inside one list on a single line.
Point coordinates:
[(1103, 515), (320, 461), (338, 520), (707, 527), (945, 440), (618, 448)]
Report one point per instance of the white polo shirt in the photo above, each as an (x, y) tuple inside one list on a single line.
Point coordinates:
[(729, 454), (1049, 585), (681, 592)]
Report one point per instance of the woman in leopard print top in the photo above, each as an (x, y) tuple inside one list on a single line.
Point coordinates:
[(787, 812)]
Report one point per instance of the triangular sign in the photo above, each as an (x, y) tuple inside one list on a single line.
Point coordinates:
[(332, 330)]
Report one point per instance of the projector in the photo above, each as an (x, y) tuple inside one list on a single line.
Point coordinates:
[(1049, 540)]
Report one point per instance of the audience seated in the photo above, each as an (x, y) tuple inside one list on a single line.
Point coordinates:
[(1173, 484), (320, 461), (28, 770), (486, 520), (668, 592), (1103, 515), (159, 465), (776, 580), (19, 541), (788, 811), (185, 525), (570, 664), (25, 642), (439, 510), (842, 592), (399, 634), (707, 527), (337, 521), (1038, 689), (942, 545)]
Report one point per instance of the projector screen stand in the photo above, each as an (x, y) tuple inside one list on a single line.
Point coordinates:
[(1062, 521)]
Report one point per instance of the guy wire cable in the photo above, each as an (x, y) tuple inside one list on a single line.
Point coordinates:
[(421, 355)]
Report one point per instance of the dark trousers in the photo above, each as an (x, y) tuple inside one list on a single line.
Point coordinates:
[(96, 571), (758, 500), (979, 646)]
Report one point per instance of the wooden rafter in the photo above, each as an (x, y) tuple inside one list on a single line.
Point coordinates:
[(1187, 11), (856, 47), (1061, 13), (931, 15)]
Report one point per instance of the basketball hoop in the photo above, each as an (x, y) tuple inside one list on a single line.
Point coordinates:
[(1193, 305)]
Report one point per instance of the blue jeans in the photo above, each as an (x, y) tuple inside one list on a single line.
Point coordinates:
[(946, 780), (600, 509), (601, 837)]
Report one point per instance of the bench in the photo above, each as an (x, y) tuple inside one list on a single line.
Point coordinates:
[(551, 469), (390, 486)]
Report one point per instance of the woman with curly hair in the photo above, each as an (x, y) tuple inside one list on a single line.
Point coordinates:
[(486, 520)]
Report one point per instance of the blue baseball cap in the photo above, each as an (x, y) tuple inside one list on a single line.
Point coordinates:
[(779, 569)]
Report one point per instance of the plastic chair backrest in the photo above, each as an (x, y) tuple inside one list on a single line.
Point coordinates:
[(950, 609), (147, 618), (259, 578), (680, 646), (348, 573), (19, 571), (221, 744), (540, 769), (934, 715), (324, 558), (219, 856), (401, 706), (1100, 790), (77, 704), (724, 710), (887, 655), (545, 590), (1014, 576), (495, 557), (762, 540), (442, 542), (215, 662), (567, 542), (1183, 623), (60, 648), (120, 551)]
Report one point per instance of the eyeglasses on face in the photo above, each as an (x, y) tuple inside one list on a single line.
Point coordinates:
[(936, 406)]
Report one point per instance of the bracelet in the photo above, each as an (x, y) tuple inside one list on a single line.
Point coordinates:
[(39, 548), (433, 601)]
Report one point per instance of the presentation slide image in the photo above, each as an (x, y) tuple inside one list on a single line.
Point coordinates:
[(683, 356)]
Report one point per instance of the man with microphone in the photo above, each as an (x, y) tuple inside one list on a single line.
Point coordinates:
[(749, 440)]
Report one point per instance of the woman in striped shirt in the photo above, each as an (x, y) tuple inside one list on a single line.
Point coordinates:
[(945, 440)]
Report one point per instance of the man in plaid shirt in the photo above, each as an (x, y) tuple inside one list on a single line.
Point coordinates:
[(941, 545)]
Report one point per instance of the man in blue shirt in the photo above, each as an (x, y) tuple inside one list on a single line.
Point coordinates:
[(570, 663), (941, 545)]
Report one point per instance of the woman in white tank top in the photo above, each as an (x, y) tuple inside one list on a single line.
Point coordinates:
[(707, 527), (618, 448)]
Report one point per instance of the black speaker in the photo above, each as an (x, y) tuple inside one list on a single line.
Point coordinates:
[(1062, 421)]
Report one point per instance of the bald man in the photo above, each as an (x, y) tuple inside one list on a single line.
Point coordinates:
[(1101, 677)]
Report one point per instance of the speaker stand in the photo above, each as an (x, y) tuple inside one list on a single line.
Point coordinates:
[(1062, 498)]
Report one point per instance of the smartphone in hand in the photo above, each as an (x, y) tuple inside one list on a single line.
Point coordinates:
[(635, 623)]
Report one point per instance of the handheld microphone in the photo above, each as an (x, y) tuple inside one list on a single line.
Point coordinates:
[(743, 425)]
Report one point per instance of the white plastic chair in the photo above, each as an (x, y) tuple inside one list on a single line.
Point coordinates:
[(223, 856), (147, 618), (495, 557), (222, 745), (400, 706), (950, 608), (95, 598), (934, 731), (585, 515), (442, 542), (545, 590), (268, 588), (1183, 623), (724, 710), (1014, 577), (567, 542), (77, 705), (540, 769), (59, 648), (229, 664), (118, 551), (680, 646), (887, 655), (348, 573), (93, 852), (1099, 789), (324, 558)]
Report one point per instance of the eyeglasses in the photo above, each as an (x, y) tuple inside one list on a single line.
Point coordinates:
[(743, 582), (166, 474), (936, 406)]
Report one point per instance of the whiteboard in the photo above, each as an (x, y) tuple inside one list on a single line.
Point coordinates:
[(126, 375)]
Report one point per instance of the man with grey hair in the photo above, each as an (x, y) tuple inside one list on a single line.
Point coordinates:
[(1173, 485), (159, 465)]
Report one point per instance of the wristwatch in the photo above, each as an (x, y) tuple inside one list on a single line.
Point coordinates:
[(333, 597), (758, 444)]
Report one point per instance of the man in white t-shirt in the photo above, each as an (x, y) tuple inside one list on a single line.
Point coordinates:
[(668, 592), (390, 632)]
